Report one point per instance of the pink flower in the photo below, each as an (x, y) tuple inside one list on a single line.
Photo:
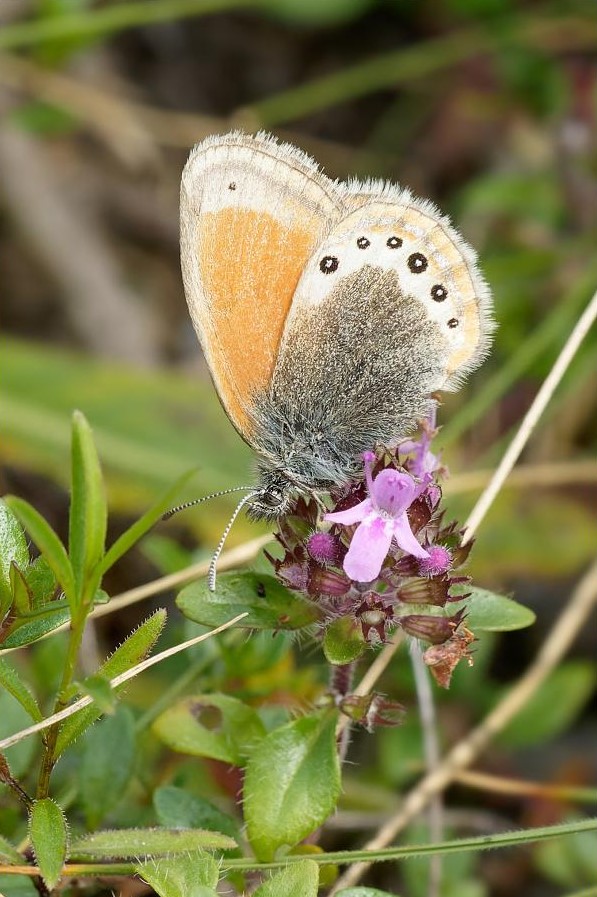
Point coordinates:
[(421, 460), (382, 518)]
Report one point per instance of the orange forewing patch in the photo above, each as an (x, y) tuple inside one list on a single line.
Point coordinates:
[(250, 265)]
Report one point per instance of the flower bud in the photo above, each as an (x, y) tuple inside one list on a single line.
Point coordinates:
[(372, 710), (427, 627), (323, 548)]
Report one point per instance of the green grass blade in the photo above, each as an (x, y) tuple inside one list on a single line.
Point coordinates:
[(88, 512)]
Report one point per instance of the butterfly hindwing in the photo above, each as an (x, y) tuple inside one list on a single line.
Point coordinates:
[(389, 309)]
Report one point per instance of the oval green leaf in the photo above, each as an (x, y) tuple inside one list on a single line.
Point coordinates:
[(216, 726), (48, 543), (190, 875), (343, 641), (292, 783), (27, 630), (100, 689), (177, 808), (139, 842), (489, 612), (297, 880), (49, 839), (13, 547), (267, 602)]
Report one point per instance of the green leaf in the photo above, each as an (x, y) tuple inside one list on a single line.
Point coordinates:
[(176, 808), (489, 612), (135, 532), (22, 597), (192, 875), (13, 547), (292, 783), (42, 582), (17, 886), (48, 543), (553, 707), (9, 854), (88, 514), (49, 839), (26, 630), (10, 680), (343, 641), (297, 880), (216, 726), (107, 765), (99, 688), (138, 842), (269, 604), (136, 647)]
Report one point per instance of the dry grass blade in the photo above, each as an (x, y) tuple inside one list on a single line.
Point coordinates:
[(531, 418)]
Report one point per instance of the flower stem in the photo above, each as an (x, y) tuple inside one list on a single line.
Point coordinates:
[(49, 758), (432, 758)]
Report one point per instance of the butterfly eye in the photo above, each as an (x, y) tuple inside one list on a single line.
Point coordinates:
[(417, 263), (329, 264), (272, 497), (438, 293), (363, 242), (394, 242), (453, 322)]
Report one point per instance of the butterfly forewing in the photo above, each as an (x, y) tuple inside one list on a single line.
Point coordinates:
[(252, 213)]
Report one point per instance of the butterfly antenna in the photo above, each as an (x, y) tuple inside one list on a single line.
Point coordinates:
[(211, 576), (197, 501)]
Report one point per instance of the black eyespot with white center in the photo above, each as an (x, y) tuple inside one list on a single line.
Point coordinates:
[(438, 292), (394, 242), (417, 263), (363, 243), (329, 264), (453, 322)]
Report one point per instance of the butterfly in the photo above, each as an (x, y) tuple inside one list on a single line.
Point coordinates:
[(328, 312)]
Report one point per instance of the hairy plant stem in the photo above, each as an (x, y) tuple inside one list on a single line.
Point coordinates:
[(77, 628), (107, 867), (9, 780)]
